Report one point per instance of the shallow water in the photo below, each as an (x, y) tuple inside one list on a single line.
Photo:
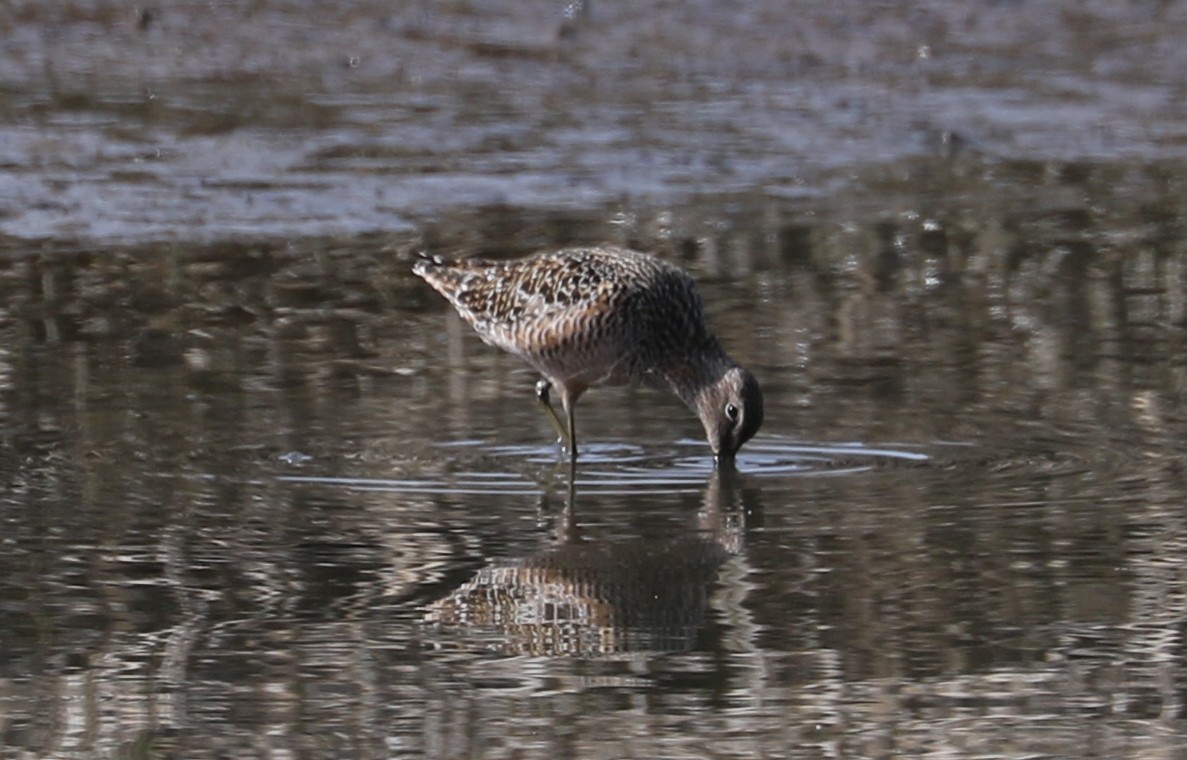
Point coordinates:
[(275, 498), (264, 495)]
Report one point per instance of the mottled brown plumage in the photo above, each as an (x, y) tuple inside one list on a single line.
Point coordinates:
[(603, 315)]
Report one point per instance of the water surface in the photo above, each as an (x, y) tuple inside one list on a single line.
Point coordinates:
[(279, 491)]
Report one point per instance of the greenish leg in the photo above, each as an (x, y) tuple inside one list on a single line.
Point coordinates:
[(542, 390), (572, 434)]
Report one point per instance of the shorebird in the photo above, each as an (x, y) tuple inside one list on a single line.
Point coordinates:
[(604, 316)]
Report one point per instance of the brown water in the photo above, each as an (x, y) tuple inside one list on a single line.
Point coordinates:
[(264, 496)]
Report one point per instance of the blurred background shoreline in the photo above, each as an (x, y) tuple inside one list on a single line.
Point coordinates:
[(190, 121)]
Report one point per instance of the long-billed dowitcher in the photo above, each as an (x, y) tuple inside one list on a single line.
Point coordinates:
[(604, 315)]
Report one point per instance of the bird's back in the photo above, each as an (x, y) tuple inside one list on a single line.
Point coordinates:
[(599, 314)]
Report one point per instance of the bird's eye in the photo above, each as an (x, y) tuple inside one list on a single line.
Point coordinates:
[(731, 411)]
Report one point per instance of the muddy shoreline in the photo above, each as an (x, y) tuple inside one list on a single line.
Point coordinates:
[(199, 121)]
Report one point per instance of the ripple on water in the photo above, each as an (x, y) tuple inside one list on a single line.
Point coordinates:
[(476, 467)]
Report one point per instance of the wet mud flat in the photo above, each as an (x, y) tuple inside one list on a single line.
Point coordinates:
[(194, 121)]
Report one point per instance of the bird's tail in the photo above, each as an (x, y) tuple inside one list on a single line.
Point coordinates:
[(427, 264)]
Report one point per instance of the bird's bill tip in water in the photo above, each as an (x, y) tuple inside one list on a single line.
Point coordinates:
[(724, 459), (725, 450)]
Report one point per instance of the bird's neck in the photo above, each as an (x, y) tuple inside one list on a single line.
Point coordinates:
[(695, 373)]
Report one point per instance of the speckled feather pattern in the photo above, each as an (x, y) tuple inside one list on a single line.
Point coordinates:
[(581, 316)]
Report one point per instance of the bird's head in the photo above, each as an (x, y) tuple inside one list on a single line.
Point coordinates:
[(731, 411)]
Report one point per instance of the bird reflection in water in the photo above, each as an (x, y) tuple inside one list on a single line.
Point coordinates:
[(586, 597)]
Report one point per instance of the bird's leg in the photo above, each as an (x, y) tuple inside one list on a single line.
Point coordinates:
[(542, 390), (572, 433)]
